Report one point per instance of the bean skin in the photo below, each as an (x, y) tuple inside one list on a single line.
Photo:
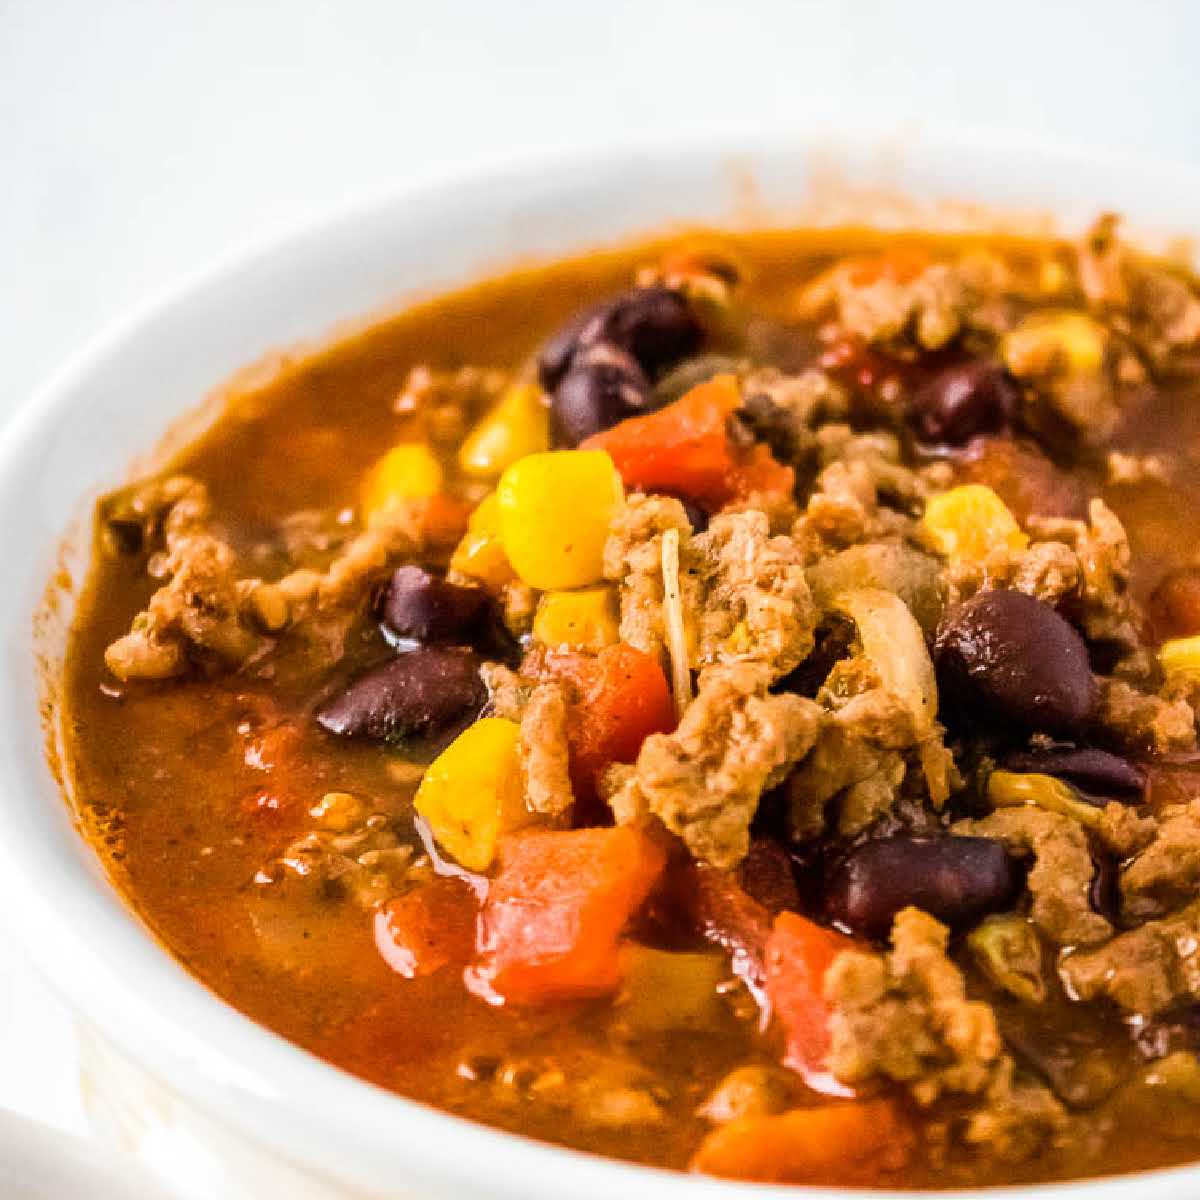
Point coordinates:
[(604, 385), (426, 608), (655, 325), (959, 880), (420, 693), (963, 401), (1005, 656), (1094, 771)]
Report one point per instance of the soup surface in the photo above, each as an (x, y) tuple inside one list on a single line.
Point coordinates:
[(727, 703)]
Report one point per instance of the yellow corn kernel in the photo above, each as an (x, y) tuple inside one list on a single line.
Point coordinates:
[(555, 510), (480, 554), (1181, 656), (338, 812), (406, 472), (1055, 341), (472, 792), (518, 425), (970, 522), (582, 620)]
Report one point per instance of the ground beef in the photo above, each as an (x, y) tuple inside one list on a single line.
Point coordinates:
[(206, 611), (1061, 877), (859, 758), (1140, 721), (368, 864), (1166, 874), (928, 308), (745, 596), (862, 493), (904, 1016), (544, 751), (755, 604), (633, 560), (1144, 971), (1154, 305), (704, 781), (785, 411)]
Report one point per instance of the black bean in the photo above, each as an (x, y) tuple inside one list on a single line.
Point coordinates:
[(1094, 771), (1005, 656), (1104, 892), (426, 608), (604, 385), (656, 325), (959, 880), (963, 401), (420, 693)]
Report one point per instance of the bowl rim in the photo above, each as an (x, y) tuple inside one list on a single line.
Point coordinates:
[(62, 912)]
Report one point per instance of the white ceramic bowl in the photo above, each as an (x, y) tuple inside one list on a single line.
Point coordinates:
[(256, 1105)]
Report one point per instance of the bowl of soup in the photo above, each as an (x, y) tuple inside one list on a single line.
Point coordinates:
[(679, 676)]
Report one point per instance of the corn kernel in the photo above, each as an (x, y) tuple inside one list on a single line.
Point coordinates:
[(406, 472), (1181, 656), (480, 554), (582, 620), (1055, 341), (518, 425), (472, 792), (970, 522), (338, 812), (555, 510)]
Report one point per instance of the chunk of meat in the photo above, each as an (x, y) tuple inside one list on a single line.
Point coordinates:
[(859, 758), (785, 410), (545, 751), (1061, 877), (207, 611), (367, 864), (863, 492), (756, 603), (904, 295), (552, 921), (1144, 971), (633, 559), (905, 1017), (1166, 874), (704, 781), (744, 594), (842, 1143), (1156, 304), (1141, 721)]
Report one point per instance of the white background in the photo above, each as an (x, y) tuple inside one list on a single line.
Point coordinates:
[(140, 139)]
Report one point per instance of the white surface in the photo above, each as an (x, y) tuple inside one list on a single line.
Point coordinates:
[(141, 139), (215, 1070)]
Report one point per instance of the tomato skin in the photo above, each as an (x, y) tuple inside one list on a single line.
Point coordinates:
[(685, 449), (798, 953), (550, 928), (429, 927), (619, 697)]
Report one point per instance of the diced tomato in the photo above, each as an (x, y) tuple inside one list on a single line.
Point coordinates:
[(551, 925), (723, 913), (444, 519), (620, 698), (685, 449), (1023, 477), (798, 954), (429, 927), (833, 1143), (898, 264)]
